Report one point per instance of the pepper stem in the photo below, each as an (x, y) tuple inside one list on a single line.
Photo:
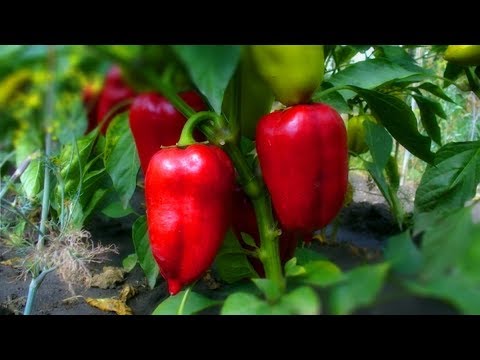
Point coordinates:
[(186, 138)]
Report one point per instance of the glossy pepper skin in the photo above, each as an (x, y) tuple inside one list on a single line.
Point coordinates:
[(468, 55), (155, 122), (303, 155), (114, 92), (293, 72), (189, 194), (245, 221), (90, 102)]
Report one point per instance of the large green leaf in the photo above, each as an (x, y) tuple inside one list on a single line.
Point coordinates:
[(451, 261), (195, 302), (451, 180), (398, 55), (399, 120), (231, 263), (322, 273), (121, 158), (435, 90), (403, 255), (456, 290), (241, 303), (211, 67), (358, 289), (370, 74), (302, 301), (429, 119), (380, 145), (143, 251), (334, 99), (447, 243)]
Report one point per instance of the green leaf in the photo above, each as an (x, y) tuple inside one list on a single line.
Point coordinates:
[(370, 74), (452, 180), (75, 123), (428, 118), (248, 240), (92, 203), (435, 90), (121, 158), (72, 162), (452, 72), (211, 67), (446, 244), (322, 273), (144, 253), (456, 290), (358, 289), (403, 255), (334, 99), (268, 288), (241, 303), (194, 304), (451, 267), (399, 56), (434, 106), (399, 120), (231, 263), (26, 144), (302, 301), (304, 256), (379, 142), (129, 262), (292, 269), (115, 210)]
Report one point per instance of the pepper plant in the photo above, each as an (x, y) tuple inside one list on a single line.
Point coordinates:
[(237, 182)]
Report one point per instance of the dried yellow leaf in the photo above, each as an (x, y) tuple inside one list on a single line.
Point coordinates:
[(108, 278), (110, 304), (128, 291), (13, 262)]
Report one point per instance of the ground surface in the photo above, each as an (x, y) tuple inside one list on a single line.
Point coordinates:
[(366, 223)]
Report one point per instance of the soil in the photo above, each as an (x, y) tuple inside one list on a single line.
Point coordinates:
[(365, 224)]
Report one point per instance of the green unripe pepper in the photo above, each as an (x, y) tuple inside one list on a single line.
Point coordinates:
[(356, 133), (248, 97), (293, 72), (463, 54)]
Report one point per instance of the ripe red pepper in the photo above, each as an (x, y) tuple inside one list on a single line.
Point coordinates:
[(90, 102), (114, 92), (155, 122), (303, 155), (189, 194), (245, 221)]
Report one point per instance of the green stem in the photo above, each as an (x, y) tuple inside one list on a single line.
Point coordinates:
[(184, 300), (32, 290), (186, 138), (330, 90), (49, 104), (269, 252)]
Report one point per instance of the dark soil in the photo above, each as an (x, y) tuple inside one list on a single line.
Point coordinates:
[(365, 224)]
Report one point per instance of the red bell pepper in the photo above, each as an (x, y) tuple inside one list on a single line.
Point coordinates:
[(155, 122), (114, 92), (245, 221), (90, 103), (189, 194), (303, 155)]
